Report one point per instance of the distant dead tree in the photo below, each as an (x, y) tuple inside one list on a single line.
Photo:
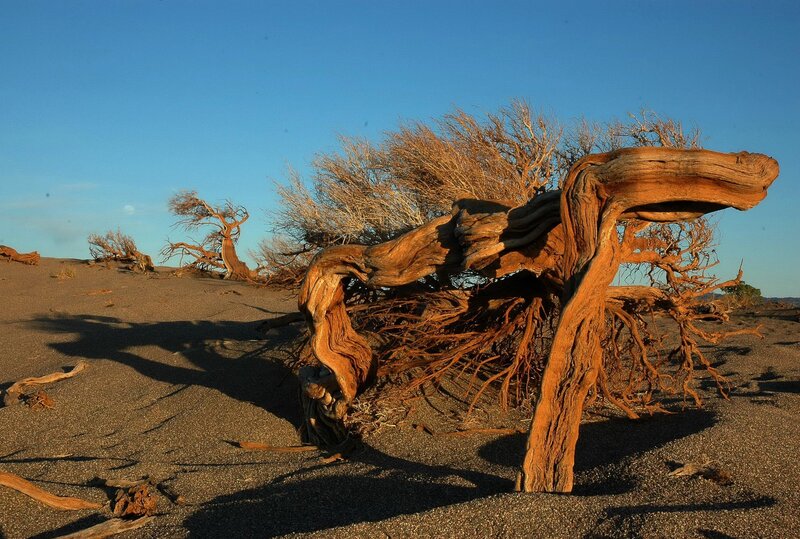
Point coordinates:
[(12, 255), (118, 247), (509, 287), (216, 253)]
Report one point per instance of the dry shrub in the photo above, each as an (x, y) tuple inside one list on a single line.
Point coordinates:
[(118, 247), (495, 333), (64, 273)]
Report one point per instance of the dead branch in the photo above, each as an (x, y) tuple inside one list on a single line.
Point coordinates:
[(51, 500), (11, 255), (258, 446), (14, 393), (109, 528)]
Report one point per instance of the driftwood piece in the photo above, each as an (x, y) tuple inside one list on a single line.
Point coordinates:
[(567, 238), (258, 446), (14, 393), (12, 255), (109, 528), (51, 500)]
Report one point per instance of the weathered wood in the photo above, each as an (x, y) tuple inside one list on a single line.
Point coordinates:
[(109, 528), (14, 393), (51, 500), (569, 239), (656, 184)]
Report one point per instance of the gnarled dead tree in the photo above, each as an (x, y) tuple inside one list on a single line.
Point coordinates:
[(217, 251), (117, 247), (566, 245), (12, 255)]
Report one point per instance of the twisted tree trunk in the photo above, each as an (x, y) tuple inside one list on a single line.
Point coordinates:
[(568, 239), (654, 184)]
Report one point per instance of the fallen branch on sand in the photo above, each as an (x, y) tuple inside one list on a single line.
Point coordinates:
[(108, 528), (51, 500), (708, 469), (16, 391), (32, 258), (257, 446)]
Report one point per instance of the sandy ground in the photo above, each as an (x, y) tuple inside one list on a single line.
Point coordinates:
[(177, 371)]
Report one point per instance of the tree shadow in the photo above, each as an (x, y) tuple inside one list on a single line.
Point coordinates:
[(606, 442), (633, 517), (251, 377), (327, 496), (73, 527)]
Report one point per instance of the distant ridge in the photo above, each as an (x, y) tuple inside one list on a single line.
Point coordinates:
[(792, 300)]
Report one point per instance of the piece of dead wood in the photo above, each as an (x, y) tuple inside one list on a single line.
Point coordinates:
[(257, 446), (12, 255), (51, 500), (336, 457), (470, 432), (137, 500), (707, 470), (14, 393), (99, 292), (108, 528)]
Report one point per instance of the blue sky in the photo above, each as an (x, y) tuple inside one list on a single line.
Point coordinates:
[(108, 108)]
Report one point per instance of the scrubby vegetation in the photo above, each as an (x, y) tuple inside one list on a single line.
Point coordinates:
[(743, 294), (373, 192), (117, 247)]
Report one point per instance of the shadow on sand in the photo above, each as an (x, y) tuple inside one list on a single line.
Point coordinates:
[(316, 499), (251, 377), (373, 486)]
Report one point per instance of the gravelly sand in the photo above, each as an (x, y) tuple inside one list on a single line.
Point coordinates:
[(177, 370)]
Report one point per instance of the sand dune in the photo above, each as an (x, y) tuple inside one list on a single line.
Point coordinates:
[(177, 370)]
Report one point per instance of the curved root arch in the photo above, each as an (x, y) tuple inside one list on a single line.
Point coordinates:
[(567, 237)]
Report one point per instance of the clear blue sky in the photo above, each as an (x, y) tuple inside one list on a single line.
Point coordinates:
[(108, 108)]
